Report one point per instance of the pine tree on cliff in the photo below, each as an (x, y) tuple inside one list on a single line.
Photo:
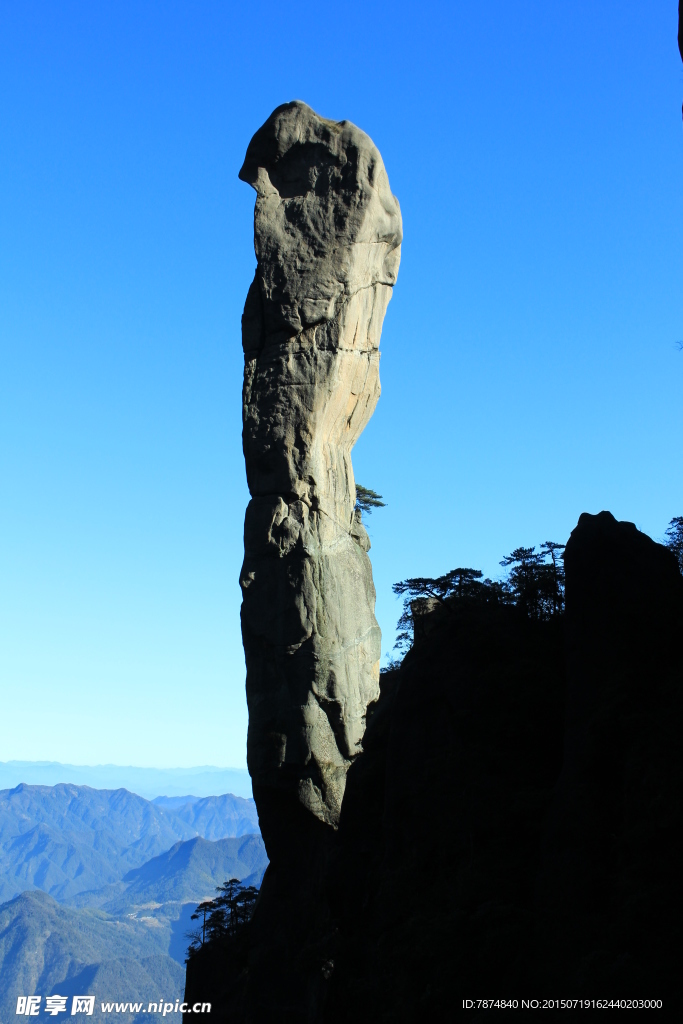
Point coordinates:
[(674, 535), (523, 579), (454, 587), (555, 576), (537, 586), (534, 585), (223, 917), (367, 499)]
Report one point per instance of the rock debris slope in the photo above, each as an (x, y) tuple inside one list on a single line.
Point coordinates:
[(327, 235)]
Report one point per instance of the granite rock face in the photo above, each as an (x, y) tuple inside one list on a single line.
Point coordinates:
[(327, 235)]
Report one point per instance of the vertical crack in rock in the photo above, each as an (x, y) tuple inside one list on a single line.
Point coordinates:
[(327, 235)]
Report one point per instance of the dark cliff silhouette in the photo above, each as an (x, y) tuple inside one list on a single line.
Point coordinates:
[(512, 827)]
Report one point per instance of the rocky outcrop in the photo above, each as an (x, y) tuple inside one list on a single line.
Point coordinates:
[(608, 893), (513, 823), (531, 842), (327, 234)]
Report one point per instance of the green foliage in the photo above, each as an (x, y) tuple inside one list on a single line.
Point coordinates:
[(366, 499), (535, 585), (224, 917), (674, 535)]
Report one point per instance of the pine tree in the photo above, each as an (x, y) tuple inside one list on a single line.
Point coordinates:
[(555, 576), (674, 534), (455, 586), (224, 917), (523, 580), (366, 499)]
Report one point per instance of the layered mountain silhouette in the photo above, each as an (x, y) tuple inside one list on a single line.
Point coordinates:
[(213, 817), (68, 839), (147, 782), (186, 873)]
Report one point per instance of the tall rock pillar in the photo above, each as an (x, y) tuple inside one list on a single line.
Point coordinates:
[(327, 235)]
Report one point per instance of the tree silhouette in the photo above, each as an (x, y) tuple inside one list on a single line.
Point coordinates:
[(674, 534), (451, 590), (555, 551), (456, 582), (535, 585), (202, 910), (523, 579), (224, 917)]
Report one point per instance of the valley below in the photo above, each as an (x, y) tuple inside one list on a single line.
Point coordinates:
[(97, 890)]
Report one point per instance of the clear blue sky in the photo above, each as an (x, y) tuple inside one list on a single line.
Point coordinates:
[(529, 369)]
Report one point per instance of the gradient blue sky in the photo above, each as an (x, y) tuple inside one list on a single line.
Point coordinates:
[(529, 370)]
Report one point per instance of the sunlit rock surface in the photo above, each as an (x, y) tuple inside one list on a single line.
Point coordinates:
[(327, 235)]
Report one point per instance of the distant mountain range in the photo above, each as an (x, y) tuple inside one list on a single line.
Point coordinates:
[(69, 839), (213, 817), (146, 782), (101, 884), (187, 873)]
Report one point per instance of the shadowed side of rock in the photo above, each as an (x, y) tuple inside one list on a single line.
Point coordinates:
[(530, 841), (513, 824), (609, 895), (443, 819)]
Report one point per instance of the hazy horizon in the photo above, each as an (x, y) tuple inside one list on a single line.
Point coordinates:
[(149, 782)]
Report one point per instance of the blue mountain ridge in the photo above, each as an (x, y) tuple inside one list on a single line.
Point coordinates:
[(68, 839), (103, 884)]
